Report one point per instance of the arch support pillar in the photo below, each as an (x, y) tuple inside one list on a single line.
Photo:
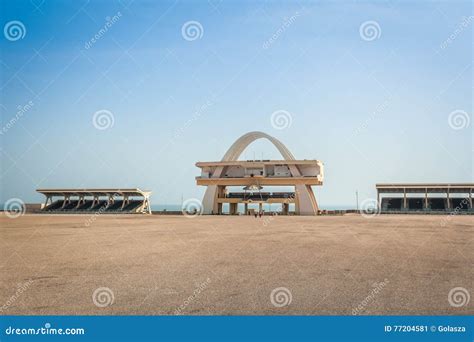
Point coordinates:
[(305, 200)]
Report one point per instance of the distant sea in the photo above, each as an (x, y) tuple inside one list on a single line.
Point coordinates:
[(272, 207)]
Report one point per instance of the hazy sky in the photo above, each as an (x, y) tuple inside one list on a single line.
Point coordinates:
[(379, 91)]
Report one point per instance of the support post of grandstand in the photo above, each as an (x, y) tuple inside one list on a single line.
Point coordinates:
[(448, 202), (426, 206), (111, 200), (124, 203), (146, 205), (48, 199), (66, 198), (95, 201)]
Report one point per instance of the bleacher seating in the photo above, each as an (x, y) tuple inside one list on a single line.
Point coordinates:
[(85, 206), (117, 205), (391, 204), (260, 196), (70, 205), (132, 205), (282, 195), (101, 206), (53, 206)]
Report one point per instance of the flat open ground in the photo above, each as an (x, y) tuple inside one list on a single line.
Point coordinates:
[(153, 265)]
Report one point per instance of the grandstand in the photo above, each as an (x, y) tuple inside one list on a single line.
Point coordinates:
[(425, 197), (116, 201)]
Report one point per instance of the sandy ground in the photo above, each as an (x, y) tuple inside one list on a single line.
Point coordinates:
[(157, 265)]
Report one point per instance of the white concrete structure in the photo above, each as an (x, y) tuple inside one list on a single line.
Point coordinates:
[(425, 196), (103, 200), (301, 174)]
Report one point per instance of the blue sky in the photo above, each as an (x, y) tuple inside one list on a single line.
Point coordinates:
[(373, 110)]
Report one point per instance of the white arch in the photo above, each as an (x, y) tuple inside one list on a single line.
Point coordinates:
[(305, 201), (234, 152)]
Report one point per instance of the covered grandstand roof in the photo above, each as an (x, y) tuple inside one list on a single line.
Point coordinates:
[(92, 192), (422, 187)]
